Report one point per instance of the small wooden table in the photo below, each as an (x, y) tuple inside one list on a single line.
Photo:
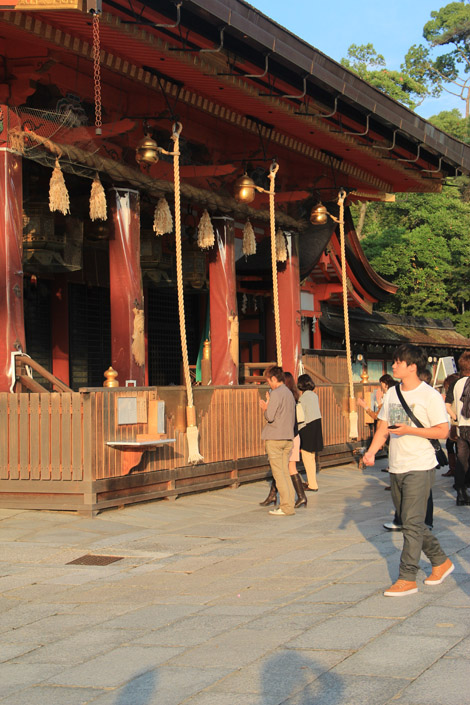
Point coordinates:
[(134, 450)]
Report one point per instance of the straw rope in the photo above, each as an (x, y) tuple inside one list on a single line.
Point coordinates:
[(272, 219), (179, 263), (353, 432), (119, 171)]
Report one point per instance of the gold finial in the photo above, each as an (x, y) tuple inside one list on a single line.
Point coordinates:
[(111, 378)]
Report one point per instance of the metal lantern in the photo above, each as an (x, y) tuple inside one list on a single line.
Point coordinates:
[(147, 150), (244, 189), (319, 215)]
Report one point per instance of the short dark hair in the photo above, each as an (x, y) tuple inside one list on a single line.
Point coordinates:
[(412, 355), (305, 383), (426, 376), (451, 379), (464, 362), (275, 371), (388, 380)]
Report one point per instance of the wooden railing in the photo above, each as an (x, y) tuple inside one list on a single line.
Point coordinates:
[(25, 381), (54, 450), (249, 372)]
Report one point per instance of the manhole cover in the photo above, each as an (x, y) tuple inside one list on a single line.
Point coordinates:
[(95, 560)]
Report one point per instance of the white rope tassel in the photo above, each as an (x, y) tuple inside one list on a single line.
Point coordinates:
[(281, 249), (98, 207), (58, 195), (162, 218), (205, 232), (249, 240), (192, 435)]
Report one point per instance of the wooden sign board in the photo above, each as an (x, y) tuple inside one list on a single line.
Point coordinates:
[(42, 5)]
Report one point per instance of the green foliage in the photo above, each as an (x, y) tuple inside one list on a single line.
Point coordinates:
[(452, 122), (449, 29), (370, 66), (422, 244), (462, 324)]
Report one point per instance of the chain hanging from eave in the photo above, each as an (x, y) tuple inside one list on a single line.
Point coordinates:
[(97, 71)]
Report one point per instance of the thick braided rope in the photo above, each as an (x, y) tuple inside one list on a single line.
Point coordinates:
[(272, 220), (179, 263), (74, 156), (347, 337)]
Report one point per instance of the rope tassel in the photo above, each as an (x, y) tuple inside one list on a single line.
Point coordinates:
[(98, 208), (58, 195), (205, 232), (162, 219), (281, 249), (249, 240)]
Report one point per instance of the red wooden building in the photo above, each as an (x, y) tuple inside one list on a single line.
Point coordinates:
[(83, 84)]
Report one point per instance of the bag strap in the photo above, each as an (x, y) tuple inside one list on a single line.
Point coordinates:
[(433, 441)]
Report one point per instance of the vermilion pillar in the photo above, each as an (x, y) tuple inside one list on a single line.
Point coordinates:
[(288, 282), (11, 267), (60, 329), (126, 293), (223, 304)]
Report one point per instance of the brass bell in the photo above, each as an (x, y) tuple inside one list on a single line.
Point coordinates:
[(319, 215), (147, 150), (244, 189)]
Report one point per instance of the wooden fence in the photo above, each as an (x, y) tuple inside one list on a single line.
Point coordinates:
[(54, 452)]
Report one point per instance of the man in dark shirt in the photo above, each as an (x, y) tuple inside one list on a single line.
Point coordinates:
[(456, 396), (279, 412)]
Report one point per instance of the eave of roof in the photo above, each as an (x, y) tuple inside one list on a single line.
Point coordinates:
[(391, 329), (307, 61)]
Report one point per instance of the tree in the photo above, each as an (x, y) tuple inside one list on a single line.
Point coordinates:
[(422, 244), (371, 66), (449, 28), (452, 122)]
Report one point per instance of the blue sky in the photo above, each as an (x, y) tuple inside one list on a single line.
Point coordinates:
[(333, 26)]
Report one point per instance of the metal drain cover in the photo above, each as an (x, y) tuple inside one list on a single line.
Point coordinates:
[(89, 559)]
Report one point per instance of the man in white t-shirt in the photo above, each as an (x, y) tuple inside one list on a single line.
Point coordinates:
[(412, 463)]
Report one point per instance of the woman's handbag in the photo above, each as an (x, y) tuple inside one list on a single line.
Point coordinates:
[(299, 413), (441, 457)]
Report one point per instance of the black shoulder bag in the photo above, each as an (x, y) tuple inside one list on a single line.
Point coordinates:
[(441, 457)]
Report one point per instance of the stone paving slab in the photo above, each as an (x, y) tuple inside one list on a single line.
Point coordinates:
[(216, 602), (444, 682)]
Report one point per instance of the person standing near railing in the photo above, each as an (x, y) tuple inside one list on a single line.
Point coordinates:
[(310, 430), (279, 412)]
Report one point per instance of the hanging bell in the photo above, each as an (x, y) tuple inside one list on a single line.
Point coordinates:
[(147, 150), (244, 190), (319, 215)]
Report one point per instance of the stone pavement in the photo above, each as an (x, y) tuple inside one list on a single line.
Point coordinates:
[(215, 602)]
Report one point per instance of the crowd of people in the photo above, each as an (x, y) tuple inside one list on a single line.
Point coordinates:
[(409, 416)]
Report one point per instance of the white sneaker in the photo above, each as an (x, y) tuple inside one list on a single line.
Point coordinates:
[(278, 512), (390, 526)]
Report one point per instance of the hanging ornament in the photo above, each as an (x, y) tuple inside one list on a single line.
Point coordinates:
[(98, 209), (58, 194), (244, 303), (281, 249), (162, 219), (249, 241), (16, 140), (205, 232)]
